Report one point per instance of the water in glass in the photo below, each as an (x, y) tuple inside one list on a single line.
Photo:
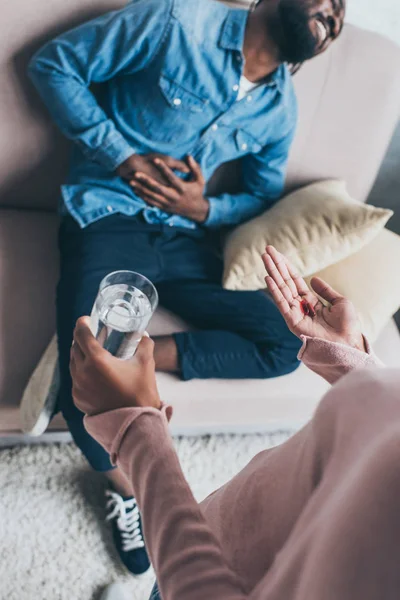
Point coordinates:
[(120, 316)]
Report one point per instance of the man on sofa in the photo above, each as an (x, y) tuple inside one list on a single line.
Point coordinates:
[(185, 87)]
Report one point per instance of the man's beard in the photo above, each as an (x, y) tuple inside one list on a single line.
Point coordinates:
[(296, 41)]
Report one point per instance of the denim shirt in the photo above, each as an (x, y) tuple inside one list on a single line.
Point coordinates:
[(170, 72)]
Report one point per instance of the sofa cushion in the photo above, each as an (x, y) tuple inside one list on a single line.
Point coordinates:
[(28, 271), (242, 406), (313, 227), (370, 278), (371, 283)]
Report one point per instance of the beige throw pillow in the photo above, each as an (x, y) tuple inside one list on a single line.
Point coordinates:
[(314, 227), (370, 278)]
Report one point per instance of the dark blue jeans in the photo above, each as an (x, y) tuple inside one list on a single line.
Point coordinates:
[(237, 335)]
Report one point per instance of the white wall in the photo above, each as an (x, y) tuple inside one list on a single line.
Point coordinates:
[(378, 15), (383, 16)]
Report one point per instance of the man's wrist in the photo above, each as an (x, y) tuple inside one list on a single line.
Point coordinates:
[(202, 211), (127, 168)]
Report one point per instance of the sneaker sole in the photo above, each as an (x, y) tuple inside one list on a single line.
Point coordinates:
[(40, 396)]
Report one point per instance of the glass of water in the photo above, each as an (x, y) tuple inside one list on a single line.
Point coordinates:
[(123, 308)]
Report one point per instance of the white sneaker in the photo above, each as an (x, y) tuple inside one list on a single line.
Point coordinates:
[(115, 591), (40, 396)]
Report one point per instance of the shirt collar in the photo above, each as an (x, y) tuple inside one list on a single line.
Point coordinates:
[(232, 34), (278, 77), (232, 38)]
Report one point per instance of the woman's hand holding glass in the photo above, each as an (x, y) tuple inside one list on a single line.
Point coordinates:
[(335, 321)]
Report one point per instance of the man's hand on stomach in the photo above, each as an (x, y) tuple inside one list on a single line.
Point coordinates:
[(170, 193), (144, 163)]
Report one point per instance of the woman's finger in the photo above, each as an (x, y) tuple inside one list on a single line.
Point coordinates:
[(168, 174), (324, 290), (145, 350), (274, 273), (298, 285), (73, 362), (301, 286), (85, 342), (279, 299), (282, 266), (76, 354)]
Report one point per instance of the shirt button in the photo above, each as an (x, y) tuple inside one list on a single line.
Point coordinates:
[(235, 87), (109, 208), (244, 146), (238, 56), (177, 101), (214, 127), (249, 98)]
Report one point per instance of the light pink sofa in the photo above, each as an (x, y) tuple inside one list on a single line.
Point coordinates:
[(349, 105)]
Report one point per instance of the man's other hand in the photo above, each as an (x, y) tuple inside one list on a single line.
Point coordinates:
[(102, 382), (178, 197), (144, 163)]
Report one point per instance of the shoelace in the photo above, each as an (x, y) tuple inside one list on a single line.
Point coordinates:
[(127, 514)]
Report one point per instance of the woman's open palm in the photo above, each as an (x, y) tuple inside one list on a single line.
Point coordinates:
[(303, 310)]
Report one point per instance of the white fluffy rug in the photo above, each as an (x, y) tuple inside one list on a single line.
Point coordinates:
[(54, 544)]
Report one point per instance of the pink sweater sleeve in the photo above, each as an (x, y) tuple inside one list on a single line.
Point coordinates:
[(331, 360), (187, 557)]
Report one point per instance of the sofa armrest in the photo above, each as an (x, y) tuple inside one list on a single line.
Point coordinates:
[(28, 276)]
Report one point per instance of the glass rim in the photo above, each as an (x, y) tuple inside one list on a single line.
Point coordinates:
[(104, 286)]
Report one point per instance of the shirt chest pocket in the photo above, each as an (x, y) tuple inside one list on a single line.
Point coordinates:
[(180, 99), (245, 143), (170, 112)]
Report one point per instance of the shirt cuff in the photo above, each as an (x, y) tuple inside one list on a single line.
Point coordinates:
[(332, 360), (113, 152), (216, 212), (109, 428)]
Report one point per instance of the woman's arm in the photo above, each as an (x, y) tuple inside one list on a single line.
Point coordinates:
[(186, 556), (125, 415), (327, 322), (332, 360)]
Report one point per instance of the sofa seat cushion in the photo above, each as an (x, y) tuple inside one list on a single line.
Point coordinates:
[(222, 406), (370, 278), (29, 270)]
